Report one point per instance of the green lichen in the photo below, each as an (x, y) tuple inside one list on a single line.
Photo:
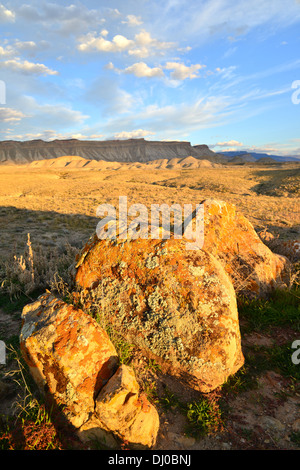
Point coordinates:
[(152, 263)]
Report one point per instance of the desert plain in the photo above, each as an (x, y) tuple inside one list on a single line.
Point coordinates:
[(56, 205)]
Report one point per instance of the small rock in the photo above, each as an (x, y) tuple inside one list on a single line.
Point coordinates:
[(126, 412), (186, 441), (270, 423)]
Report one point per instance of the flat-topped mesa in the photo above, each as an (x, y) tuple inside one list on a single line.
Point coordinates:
[(131, 150)]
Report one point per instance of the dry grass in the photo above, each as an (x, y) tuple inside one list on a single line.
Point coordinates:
[(36, 269), (57, 209)]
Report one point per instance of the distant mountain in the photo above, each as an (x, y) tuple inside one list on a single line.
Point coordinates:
[(131, 150), (245, 156), (205, 152)]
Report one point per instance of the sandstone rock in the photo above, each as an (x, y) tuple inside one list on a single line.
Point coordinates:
[(230, 237), (73, 361), (178, 306), (122, 409), (69, 355)]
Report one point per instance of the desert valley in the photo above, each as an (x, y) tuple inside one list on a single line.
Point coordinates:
[(244, 313)]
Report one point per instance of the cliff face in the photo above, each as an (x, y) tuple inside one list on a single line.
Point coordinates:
[(132, 150)]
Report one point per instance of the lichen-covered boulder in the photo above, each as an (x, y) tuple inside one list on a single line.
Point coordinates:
[(254, 269), (69, 355), (74, 363), (178, 306)]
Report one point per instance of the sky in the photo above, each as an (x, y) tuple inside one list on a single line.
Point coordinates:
[(225, 73)]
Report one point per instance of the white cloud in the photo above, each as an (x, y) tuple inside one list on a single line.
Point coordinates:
[(133, 20), (6, 51), (5, 14), (90, 43), (27, 67), (64, 20), (141, 46), (136, 134), (140, 69), (10, 115), (230, 143), (145, 45), (49, 134), (96, 136), (24, 45), (110, 66), (181, 71), (20, 47)]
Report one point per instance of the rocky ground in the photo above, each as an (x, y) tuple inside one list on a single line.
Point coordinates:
[(261, 417)]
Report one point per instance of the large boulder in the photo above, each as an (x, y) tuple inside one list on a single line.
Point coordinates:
[(178, 306), (69, 355), (253, 268), (74, 363)]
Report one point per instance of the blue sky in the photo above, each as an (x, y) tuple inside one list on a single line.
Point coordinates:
[(219, 72)]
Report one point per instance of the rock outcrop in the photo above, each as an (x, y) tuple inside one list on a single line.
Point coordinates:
[(177, 306), (254, 269), (74, 363)]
